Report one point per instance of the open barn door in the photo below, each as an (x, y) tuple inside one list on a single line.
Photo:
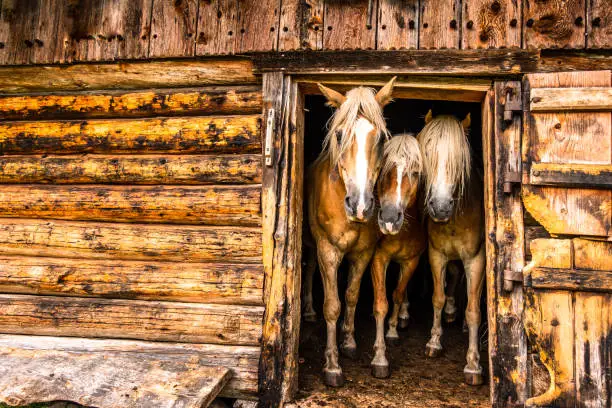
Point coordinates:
[(567, 189)]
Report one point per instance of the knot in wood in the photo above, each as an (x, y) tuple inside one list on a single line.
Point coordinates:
[(470, 24)]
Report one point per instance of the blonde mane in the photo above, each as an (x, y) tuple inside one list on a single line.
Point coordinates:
[(359, 101), (443, 140), (403, 150)]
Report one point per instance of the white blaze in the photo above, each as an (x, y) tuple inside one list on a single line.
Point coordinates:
[(398, 188), (362, 129), (441, 187)]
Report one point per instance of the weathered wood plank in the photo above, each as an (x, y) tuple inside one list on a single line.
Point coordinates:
[(220, 100), (219, 283), (440, 23), (126, 75), (114, 381), (18, 23), (221, 134), (347, 26), (491, 24), (311, 35), (210, 205), (554, 24), (571, 175), (599, 24), (130, 319), (533, 233), (173, 28), (398, 24), (571, 99), (595, 255), (257, 27), (551, 253), (290, 26), (124, 169), (571, 279), (73, 239), (217, 20), (241, 360)]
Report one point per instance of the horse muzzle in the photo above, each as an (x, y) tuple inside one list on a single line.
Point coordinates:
[(390, 221), (358, 212)]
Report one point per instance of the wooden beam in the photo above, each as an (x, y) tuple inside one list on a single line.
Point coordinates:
[(583, 280), (571, 175), (571, 99), (219, 283), (130, 319)]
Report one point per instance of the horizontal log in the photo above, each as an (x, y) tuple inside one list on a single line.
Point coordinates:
[(570, 99), (122, 169), (72, 239), (241, 360), (126, 75), (130, 319), (571, 279), (121, 380), (212, 205), (571, 175), (160, 102), (219, 283), (171, 135)]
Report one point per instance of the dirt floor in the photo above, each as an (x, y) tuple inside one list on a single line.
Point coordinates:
[(416, 381)]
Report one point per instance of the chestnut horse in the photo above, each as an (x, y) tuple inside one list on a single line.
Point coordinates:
[(340, 197), (404, 240), (455, 226)]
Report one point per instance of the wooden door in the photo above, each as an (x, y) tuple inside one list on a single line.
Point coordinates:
[(567, 194)]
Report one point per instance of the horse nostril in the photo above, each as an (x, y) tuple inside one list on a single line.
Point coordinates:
[(452, 201), (347, 202), (430, 202)]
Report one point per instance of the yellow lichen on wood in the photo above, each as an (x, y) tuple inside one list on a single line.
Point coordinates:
[(595, 255), (551, 253)]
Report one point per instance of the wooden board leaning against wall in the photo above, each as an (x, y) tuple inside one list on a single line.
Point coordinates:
[(130, 211)]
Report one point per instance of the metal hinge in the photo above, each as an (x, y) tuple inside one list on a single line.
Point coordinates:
[(268, 142), (510, 278), (511, 178), (513, 102)]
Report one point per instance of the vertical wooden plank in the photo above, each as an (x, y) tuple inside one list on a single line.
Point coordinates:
[(83, 22), (593, 326), (398, 23), (311, 35), (599, 24), (18, 22), (290, 25), (129, 23), (258, 25), (173, 28), (554, 24), (50, 34), (217, 22), (440, 22), (346, 25), (491, 24)]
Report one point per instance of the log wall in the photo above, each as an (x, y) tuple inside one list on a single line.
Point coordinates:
[(131, 210), (64, 31)]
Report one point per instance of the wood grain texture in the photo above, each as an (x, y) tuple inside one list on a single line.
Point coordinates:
[(290, 24), (590, 254), (571, 175), (572, 99), (241, 360), (211, 205), (124, 169), (19, 29), (440, 22), (129, 241), (126, 75), (554, 24), (311, 35), (257, 28), (575, 280), (220, 100), (346, 25), (170, 135), (173, 28), (491, 24), (599, 24), (97, 379), (130, 319), (398, 25), (218, 283), (532, 233), (217, 22), (551, 253)]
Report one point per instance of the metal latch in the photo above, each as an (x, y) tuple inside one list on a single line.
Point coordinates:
[(510, 277), (513, 102), (511, 178), (268, 142)]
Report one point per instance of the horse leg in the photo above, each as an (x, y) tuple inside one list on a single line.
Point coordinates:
[(380, 364), (450, 309), (329, 261), (474, 272), (438, 262), (404, 316), (358, 265), (407, 268), (310, 265)]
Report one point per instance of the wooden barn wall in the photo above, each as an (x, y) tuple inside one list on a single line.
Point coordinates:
[(130, 209), (63, 31)]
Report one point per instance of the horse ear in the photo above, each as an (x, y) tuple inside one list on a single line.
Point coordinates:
[(428, 117), (334, 98), (383, 96), (466, 122)]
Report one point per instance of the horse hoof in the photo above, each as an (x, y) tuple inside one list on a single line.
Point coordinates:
[(402, 323), (349, 352), (334, 378), (473, 378), (432, 352), (450, 317), (380, 371), (393, 341), (310, 317)]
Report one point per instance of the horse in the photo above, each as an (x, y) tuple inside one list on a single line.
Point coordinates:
[(340, 187), (455, 225), (404, 239)]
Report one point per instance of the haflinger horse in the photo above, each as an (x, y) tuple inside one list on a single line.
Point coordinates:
[(404, 240), (455, 225), (340, 187)]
